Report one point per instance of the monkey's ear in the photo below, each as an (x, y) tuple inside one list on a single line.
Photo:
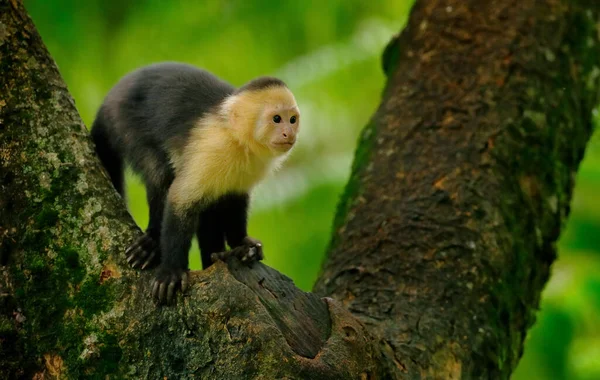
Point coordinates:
[(231, 112), (233, 117)]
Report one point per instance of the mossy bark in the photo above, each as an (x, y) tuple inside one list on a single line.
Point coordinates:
[(441, 246), (462, 180)]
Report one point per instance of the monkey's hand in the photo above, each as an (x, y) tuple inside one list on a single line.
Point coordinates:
[(250, 250), (144, 253), (167, 282)]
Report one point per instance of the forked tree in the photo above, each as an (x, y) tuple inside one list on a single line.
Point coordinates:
[(442, 242)]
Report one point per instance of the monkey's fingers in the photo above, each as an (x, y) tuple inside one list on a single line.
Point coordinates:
[(155, 288), (158, 290), (162, 292), (146, 259), (138, 260), (142, 252), (248, 254), (259, 252), (184, 281), (171, 291), (134, 253), (251, 255), (145, 242), (253, 250), (166, 284), (152, 259), (131, 248)]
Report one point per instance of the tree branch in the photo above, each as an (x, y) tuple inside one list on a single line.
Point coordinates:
[(445, 236)]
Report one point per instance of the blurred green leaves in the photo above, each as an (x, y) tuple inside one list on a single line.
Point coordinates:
[(329, 53)]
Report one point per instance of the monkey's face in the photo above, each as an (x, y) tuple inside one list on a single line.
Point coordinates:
[(279, 127), (267, 120)]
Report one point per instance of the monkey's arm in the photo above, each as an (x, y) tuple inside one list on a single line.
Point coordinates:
[(177, 230)]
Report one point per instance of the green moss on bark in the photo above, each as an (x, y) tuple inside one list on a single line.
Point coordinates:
[(352, 190)]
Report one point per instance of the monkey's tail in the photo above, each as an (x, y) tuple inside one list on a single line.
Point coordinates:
[(111, 158)]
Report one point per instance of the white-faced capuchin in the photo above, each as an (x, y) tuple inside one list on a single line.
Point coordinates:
[(200, 145)]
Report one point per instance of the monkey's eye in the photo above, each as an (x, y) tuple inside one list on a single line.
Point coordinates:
[(293, 119), (277, 119)]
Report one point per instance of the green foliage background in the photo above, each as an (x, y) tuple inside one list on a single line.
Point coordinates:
[(329, 54)]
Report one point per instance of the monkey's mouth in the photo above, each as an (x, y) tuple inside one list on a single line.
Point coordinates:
[(283, 145)]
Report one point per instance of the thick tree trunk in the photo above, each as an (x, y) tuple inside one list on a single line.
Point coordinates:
[(441, 246), (445, 236)]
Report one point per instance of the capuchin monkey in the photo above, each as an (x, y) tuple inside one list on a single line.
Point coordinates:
[(200, 146)]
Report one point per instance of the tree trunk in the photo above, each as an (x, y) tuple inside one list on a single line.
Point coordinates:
[(442, 242), (444, 238)]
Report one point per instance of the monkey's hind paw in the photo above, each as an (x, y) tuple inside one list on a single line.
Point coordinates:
[(143, 253), (166, 284), (253, 250), (248, 252)]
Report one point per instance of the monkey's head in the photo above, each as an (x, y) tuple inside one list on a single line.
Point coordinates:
[(266, 115)]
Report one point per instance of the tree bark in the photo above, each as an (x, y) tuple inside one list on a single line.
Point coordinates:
[(444, 238), (442, 242)]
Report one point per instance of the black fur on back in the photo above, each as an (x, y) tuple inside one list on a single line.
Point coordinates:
[(153, 108)]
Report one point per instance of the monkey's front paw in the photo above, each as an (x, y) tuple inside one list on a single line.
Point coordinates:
[(167, 282), (143, 253), (253, 250)]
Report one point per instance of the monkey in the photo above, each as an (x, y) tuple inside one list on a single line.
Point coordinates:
[(200, 145)]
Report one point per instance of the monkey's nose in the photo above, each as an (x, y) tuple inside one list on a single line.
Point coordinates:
[(288, 135)]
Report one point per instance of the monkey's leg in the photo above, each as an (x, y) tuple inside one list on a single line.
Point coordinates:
[(234, 217), (178, 228), (211, 237), (145, 251)]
